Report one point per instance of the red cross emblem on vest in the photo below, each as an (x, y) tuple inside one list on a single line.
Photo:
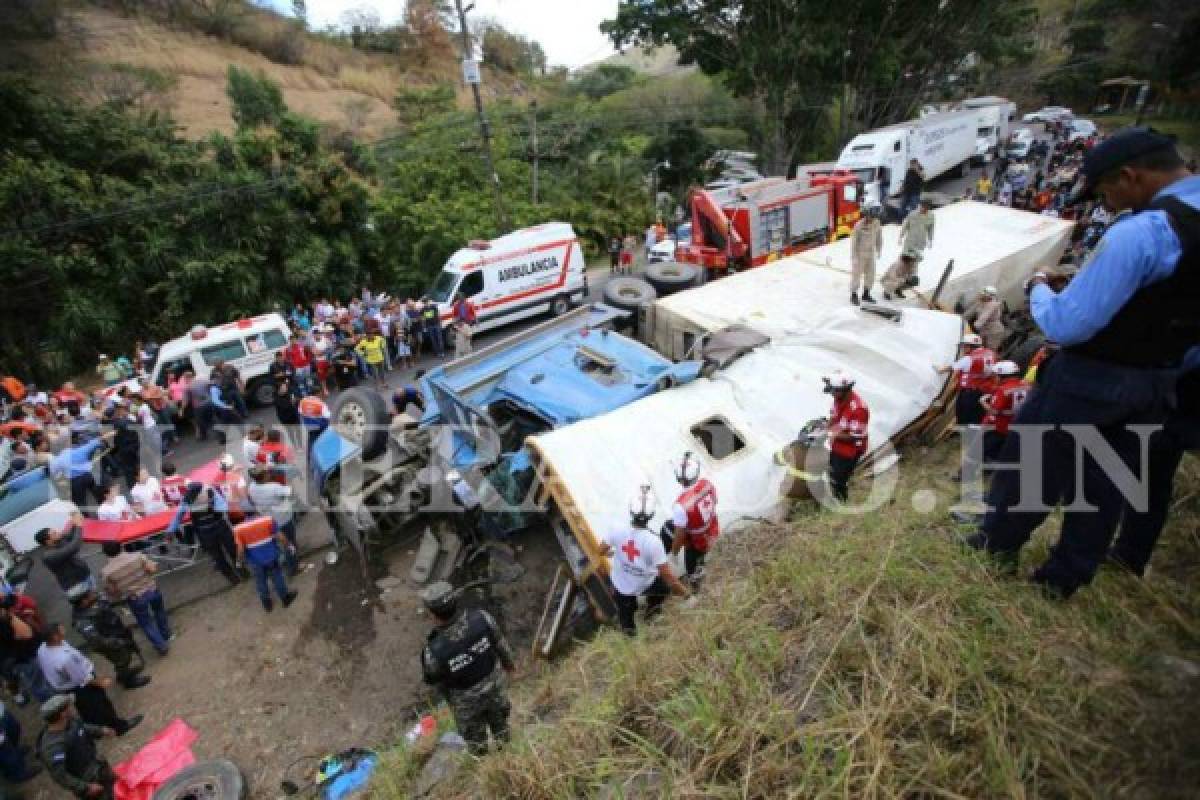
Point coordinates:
[(630, 550)]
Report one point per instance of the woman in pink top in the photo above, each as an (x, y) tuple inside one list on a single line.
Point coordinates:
[(177, 386)]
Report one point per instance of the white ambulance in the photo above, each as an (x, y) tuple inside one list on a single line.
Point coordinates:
[(249, 344), (521, 274)]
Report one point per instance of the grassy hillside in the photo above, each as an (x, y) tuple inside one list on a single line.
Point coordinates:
[(98, 51), (846, 656), (655, 62)]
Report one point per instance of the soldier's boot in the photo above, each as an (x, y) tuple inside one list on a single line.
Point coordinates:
[(867, 296)]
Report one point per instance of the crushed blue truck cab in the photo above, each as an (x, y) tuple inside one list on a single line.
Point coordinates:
[(568, 369)]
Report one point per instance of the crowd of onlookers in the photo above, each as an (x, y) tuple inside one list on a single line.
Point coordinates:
[(110, 448)]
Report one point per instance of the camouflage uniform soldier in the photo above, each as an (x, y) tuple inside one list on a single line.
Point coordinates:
[(105, 633), (461, 657), (68, 749)]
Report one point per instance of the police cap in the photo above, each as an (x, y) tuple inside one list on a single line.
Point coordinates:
[(55, 706), (440, 598), (1117, 150)]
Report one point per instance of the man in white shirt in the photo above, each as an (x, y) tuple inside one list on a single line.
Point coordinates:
[(115, 507), (147, 495), (68, 670), (275, 499), (639, 564)]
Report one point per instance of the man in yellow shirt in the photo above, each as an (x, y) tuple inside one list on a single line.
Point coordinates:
[(371, 348), (983, 188)]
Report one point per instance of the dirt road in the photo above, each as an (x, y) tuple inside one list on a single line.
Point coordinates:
[(337, 669)]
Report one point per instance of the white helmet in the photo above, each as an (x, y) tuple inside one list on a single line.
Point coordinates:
[(452, 477), (226, 462), (990, 291), (839, 381), (972, 339), (643, 506), (1005, 368), (687, 471)]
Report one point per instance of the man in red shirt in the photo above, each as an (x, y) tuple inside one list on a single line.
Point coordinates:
[(848, 420), (693, 525), (974, 371), (1000, 407), (300, 356)]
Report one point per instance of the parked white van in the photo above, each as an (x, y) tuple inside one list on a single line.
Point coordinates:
[(521, 274), (248, 344)]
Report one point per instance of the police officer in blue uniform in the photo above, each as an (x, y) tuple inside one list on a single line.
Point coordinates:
[(1125, 326)]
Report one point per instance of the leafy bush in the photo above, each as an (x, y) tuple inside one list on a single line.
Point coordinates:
[(115, 228), (256, 99)]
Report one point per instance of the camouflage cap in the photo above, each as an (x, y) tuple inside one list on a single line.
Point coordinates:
[(55, 705), (438, 595)]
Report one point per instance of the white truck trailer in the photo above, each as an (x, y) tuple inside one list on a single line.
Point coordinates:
[(993, 124), (941, 143)]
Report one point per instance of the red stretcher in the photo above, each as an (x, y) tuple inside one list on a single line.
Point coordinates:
[(148, 535)]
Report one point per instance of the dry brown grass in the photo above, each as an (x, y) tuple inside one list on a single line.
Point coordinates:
[(327, 78), (872, 657)]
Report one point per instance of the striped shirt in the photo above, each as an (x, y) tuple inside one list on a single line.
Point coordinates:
[(125, 576)]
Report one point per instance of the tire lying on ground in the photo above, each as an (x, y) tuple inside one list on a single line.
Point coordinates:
[(628, 294), (207, 780), (668, 277), (361, 416)]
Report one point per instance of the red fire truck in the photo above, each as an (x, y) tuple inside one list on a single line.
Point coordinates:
[(755, 223)]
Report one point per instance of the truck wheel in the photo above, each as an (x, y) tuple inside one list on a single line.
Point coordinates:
[(628, 294), (560, 305), (669, 277), (207, 780), (361, 416), (262, 392)]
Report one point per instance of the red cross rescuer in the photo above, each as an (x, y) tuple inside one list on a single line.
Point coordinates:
[(974, 370), (1001, 406), (639, 564), (693, 526), (848, 420)]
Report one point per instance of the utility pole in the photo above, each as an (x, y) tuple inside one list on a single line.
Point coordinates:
[(533, 144), (484, 128)]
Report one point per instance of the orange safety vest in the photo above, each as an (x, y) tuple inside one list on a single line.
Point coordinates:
[(254, 532)]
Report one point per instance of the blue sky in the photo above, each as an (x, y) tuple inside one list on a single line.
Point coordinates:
[(567, 29)]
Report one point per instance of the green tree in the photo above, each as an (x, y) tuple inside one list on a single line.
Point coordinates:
[(414, 104), (115, 228), (604, 79), (793, 57), (257, 100), (685, 148)]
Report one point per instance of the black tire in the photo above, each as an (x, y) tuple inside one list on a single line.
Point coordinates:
[(560, 305), (668, 277), (628, 294), (361, 416), (206, 780), (261, 392)]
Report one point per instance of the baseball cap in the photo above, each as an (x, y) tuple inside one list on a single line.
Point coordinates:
[(1122, 147)]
